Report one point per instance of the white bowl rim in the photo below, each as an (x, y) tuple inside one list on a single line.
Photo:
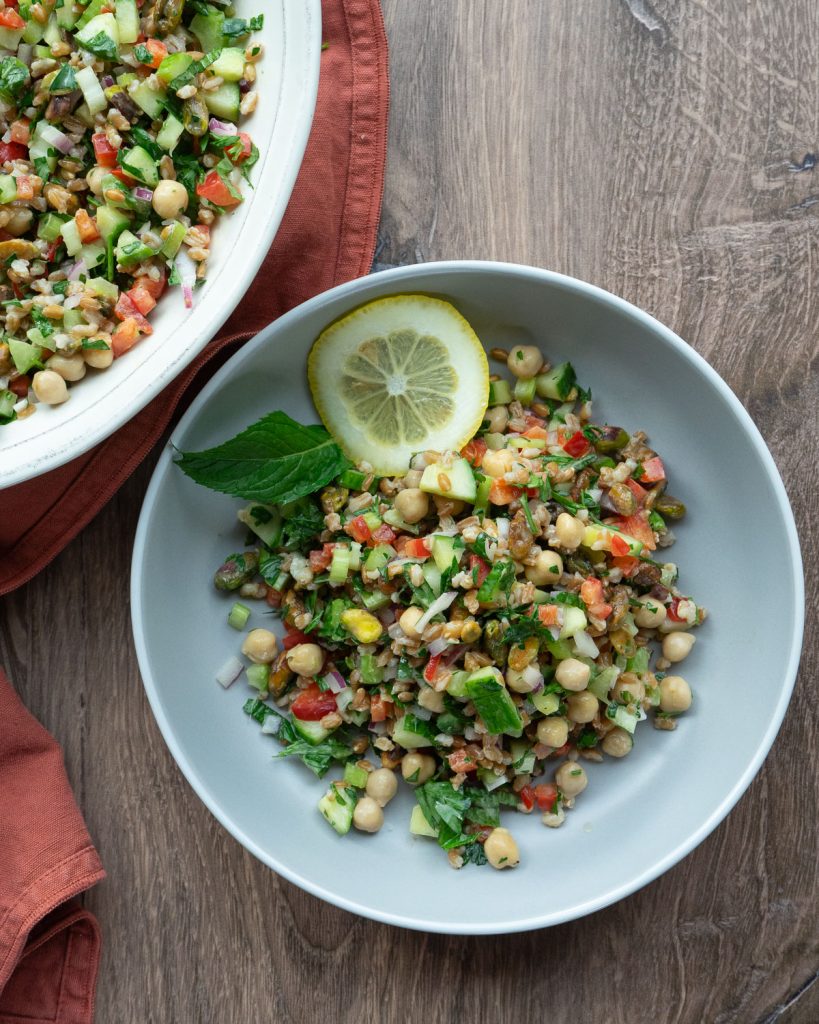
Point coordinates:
[(402, 276), (87, 430)]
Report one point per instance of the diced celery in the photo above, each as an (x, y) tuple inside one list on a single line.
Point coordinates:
[(92, 90), (375, 599), (525, 390), (127, 21), (258, 676), (373, 520), (71, 237), (238, 616), (8, 189), (340, 565), (378, 557), (371, 671)]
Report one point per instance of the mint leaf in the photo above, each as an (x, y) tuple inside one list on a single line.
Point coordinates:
[(273, 461)]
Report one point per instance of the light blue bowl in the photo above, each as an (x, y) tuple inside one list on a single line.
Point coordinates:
[(738, 552)]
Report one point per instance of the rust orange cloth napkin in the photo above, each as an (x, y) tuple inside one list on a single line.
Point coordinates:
[(327, 236), (49, 945)]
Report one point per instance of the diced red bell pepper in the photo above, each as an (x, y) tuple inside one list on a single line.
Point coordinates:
[(479, 569), (104, 153), (313, 704), (577, 445), (12, 151), (20, 386), (461, 761), (320, 560), (123, 176), (527, 797), (378, 708), (474, 451), (416, 547), (358, 529), (653, 470), (546, 796), (432, 667), (216, 191), (383, 535), (11, 19)]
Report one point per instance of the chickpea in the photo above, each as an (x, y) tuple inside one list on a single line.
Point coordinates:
[(417, 768), (68, 367), (98, 358), (305, 659), (368, 816), (448, 506), (582, 707), (411, 504), (617, 743), (431, 699), (496, 463), (569, 531), (571, 778), (677, 646), (525, 361), (548, 568), (501, 849), (408, 621), (573, 674), (170, 199), (650, 613), (675, 695), (94, 179), (519, 681), (628, 689), (552, 732), (49, 387), (260, 646), (496, 419), (382, 786)]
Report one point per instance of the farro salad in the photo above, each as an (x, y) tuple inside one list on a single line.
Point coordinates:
[(480, 625), (120, 147)]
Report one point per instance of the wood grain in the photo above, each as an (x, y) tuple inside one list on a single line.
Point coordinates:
[(652, 148)]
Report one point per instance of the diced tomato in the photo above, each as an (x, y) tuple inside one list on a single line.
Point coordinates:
[(104, 153), (158, 50), (20, 132), (416, 547), (20, 386), (320, 560), (432, 667), (653, 470), (637, 526), (527, 797), (545, 796), (378, 708), (357, 528), (141, 298), (479, 569), (383, 535), (638, 491), (532, 492), (577, 445), (273, 597), (673, 612), (86, 226), (618, 545), (313, 704), (562, 751), (155, 288), (25, 189), (122, 175), (627, 564), (125, 336), (11, 19), (461, 761), (533, 421), (294, 637), (247, 147), (591, 591), (474, 451), (216, 191), (125, 309), (548, 614), (536, 433), (503, 493)]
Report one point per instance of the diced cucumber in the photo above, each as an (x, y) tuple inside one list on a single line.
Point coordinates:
[(602, 538), (105, 24), (375, 599), (458, 478), (10, 38), (411, 733), (371, 672), (482, 493), (340, 565), (372, 519), (419, 826), (102, 289), (523, 757), (93, 254), (258, 676), (208, 29), (378, 557), (456, 687), (172, 66), (91, 11), (603, 681), (65, 14), (170, 133), (36, 336), (264, 520), (224, 101), (39, 148), (489, 779), (139, 163), (574, 620), (355, 556), (71, 237), (392, 517), (25, 355), (620, 715), (337, 806), (493, 702), (8, 400), (72, 318), (91, 90), (313, 732), (8, 189), (53, 34), (150, 100), (432, 575), (355, 775), (238, 616), (353, 479), (130, 250), (230, 64), (499, 392), (175, 237), (558, 383), (445, 551), (127, 21), (111, 222)]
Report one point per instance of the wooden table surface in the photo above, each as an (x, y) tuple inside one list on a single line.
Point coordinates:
[(661, 150)]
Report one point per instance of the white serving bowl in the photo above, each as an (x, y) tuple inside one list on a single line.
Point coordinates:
[(639, 816), (104, 400)]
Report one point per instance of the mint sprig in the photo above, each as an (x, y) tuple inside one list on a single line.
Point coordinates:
[(273, 461)]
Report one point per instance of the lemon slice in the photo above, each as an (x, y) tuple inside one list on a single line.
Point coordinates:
[(398, 376)]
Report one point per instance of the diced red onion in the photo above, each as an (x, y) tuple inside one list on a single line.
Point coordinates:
[(386, 616), (533, 677), (78, 269), (423, 713), (438, 646), (218, 127), (585, 645), (229, 672), (334, 681), (503, 528), (54, 137), (379, 728), (107, 81), (344, 699), (24, 53), (145, 194), (440, 604)]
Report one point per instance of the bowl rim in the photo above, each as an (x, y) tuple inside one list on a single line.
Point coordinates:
[(356, 291), (84, 429)]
